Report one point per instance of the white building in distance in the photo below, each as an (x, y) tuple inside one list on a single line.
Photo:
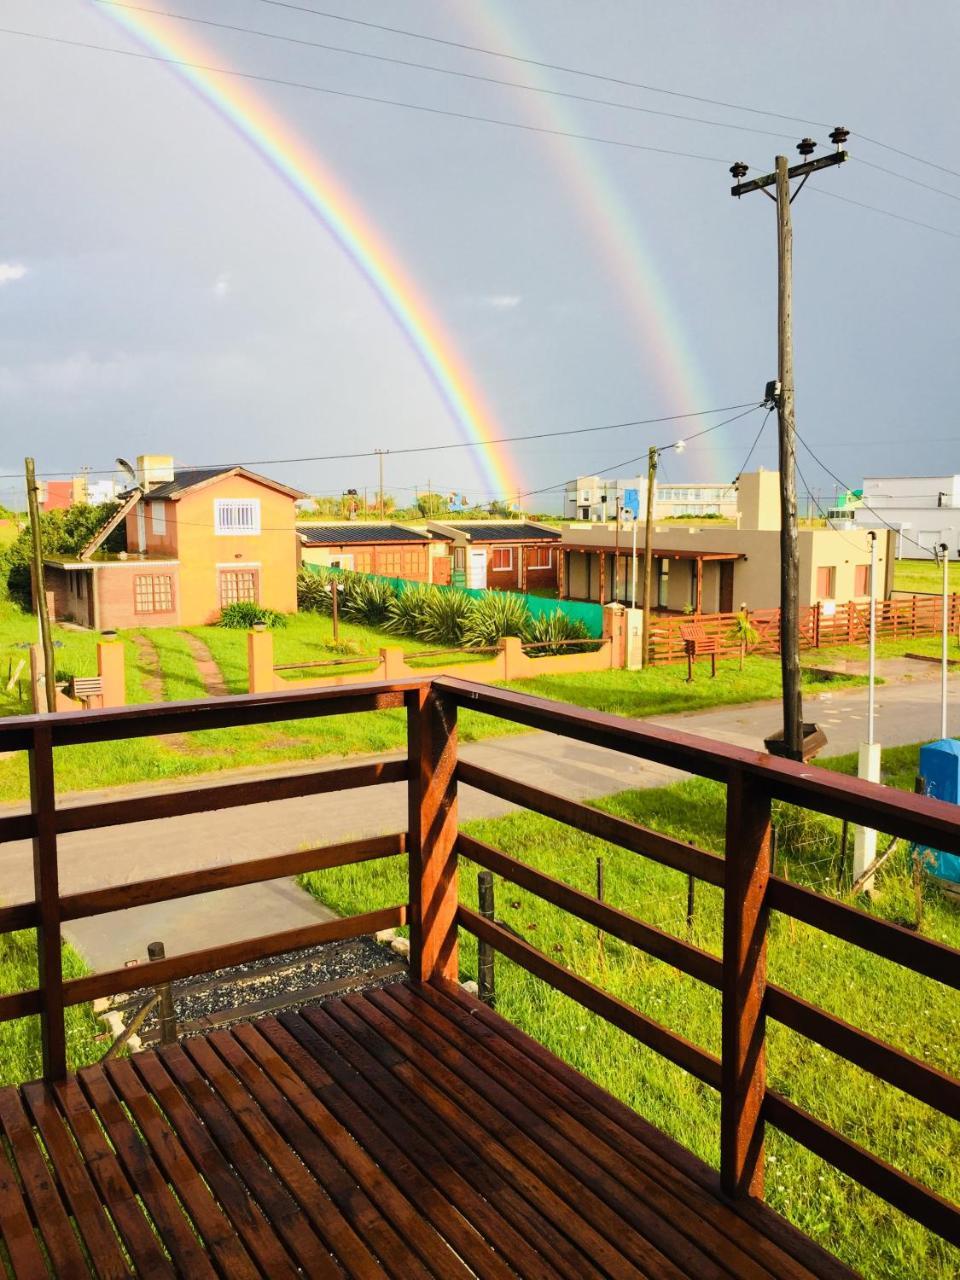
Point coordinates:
[(595, 499), (924, 510)]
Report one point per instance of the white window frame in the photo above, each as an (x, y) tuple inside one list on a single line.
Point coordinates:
[(221, 506), (158, 518), (501, 568), (537, 552), (141, 527)]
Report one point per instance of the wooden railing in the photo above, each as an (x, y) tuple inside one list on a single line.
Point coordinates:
[(432, 844), (899, 618)]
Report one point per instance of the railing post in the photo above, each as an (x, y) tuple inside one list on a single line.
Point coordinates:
[(46, 889), (745, 912), (166, 1013), (432, 791), (486, 972)]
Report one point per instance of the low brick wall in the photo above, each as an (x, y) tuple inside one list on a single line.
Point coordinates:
[(511, 663)]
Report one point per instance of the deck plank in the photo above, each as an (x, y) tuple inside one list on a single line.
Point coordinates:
[(407, 1133), (407, 1219), (40, 1190)]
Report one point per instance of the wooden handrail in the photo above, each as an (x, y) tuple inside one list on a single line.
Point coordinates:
[(432, 773)]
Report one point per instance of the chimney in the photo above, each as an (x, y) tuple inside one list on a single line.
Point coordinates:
[(154, 469)]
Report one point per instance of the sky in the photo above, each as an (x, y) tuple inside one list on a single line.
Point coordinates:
[(164, 290)]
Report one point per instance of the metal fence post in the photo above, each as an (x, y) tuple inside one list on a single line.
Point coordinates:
[(486, 972), (167, 1014)]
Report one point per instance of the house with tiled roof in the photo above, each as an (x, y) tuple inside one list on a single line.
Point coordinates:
[(394, 550), (515, 555), (195, 540)]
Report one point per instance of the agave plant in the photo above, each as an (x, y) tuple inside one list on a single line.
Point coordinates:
[(444, 616), (406, 610), (547, 630), (367, 600), (495, 615), (313, 592)]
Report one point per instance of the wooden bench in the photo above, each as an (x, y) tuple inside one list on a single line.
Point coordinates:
[(697, 644)]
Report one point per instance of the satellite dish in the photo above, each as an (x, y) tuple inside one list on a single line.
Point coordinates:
[(124, 465)]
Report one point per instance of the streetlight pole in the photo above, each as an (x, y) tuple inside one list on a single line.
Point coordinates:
[(784, 400), (653, 457), (868, 761), (945, 626)]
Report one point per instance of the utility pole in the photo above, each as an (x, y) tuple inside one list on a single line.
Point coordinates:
[(945, 627), (33, 502), (783, 398), (653, 457), (380, 453)]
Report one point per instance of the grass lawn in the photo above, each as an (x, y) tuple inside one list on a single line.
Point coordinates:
[(663, 690), (924, 575), (910, 1011), (306, 638), (20, 1040)]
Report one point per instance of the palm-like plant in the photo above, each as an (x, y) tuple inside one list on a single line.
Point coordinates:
[(547, 630), (744, 633), (444, 617), (494, 616)]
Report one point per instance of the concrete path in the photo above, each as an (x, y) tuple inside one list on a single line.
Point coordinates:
[(907, 712)]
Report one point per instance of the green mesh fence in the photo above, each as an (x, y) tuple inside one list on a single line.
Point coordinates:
[(591, 615)]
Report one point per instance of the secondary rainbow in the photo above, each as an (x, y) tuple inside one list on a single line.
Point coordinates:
[(325, 196)]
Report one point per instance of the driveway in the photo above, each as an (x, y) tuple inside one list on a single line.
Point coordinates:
[(907, 712)]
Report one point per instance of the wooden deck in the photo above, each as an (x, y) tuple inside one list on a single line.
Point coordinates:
[(407, 1132)]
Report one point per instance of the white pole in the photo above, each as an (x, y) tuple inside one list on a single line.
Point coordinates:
[(872, 652), (633, 565), (868, 761), (944, 551)]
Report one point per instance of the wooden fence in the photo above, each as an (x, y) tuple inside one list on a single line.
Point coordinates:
[(911, 617), (435, 914)]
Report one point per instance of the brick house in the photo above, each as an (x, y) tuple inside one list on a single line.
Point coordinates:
[(196, 541), (513, 556), (394, 550)]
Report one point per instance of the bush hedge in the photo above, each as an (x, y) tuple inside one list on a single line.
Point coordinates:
[(440, 615)]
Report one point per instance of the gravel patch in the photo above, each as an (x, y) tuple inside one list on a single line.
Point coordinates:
[(239, 993)]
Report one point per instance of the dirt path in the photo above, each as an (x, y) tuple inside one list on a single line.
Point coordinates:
[(210, 674), (148, 661)]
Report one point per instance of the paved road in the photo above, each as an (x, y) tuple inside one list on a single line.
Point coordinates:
[(907, 712)]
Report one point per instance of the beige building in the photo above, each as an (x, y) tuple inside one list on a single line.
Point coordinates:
[(717, 569)]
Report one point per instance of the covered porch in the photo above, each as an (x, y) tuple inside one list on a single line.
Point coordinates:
[(683, 579)]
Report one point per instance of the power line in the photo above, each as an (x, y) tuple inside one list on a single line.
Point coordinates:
[(594, 75), (438, 448), (887, 213), (823, 467), (362, 97), (535, 62), (629, 462), (893, 173), (754, 445), (445, 71)]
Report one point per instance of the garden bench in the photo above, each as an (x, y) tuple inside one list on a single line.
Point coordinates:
[(696, 644)]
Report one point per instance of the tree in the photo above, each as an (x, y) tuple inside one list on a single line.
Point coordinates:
[(432, 505), (62, 533)]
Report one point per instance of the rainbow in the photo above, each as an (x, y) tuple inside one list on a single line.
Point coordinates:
[(325, 197), (612, 224)]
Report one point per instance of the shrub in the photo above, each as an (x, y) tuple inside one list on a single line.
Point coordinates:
[(406, 610), (313, 592), (244, 613), (444, 619), (546, 629), (493, 616), (367, 600)]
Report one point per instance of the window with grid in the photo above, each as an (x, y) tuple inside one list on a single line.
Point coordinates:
[(153, 593), (539, 557), (237, 515), (391, 563), (238, 585), (501, 558)]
